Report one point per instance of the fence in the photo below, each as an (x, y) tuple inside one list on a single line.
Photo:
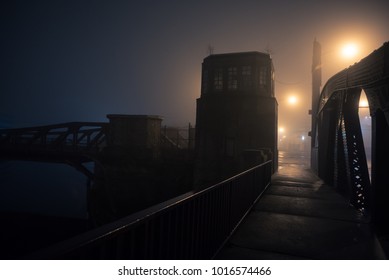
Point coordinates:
[(192, 226)]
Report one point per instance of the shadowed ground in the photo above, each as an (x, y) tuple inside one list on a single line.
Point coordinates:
[(299, 217)]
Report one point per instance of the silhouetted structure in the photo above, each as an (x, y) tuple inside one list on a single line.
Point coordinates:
[(137, 135), (136, 164), (337, 139), (236, 121), (316, 84)]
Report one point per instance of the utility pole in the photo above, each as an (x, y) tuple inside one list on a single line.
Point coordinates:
[(316, 84)]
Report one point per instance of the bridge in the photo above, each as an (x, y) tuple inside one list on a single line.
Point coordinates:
[(73, 143), (332, 211), (338, 153)]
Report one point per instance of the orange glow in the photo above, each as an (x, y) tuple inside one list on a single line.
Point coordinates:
[(363, 103), (350, 50), (292, 100)]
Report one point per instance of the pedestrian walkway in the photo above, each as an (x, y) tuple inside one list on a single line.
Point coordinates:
[(300, 217)]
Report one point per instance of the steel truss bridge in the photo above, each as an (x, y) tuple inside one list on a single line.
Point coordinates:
[(338, 152), (196, 225), (73, 143)]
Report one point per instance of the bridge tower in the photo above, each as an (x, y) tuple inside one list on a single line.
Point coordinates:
[(236, 118)]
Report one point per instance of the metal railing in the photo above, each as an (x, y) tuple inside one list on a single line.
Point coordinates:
[(192, 226)]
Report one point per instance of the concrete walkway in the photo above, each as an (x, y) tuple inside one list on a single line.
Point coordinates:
[(299, 217)]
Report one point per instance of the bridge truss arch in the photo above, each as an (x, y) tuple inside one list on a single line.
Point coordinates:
[(337, 145)]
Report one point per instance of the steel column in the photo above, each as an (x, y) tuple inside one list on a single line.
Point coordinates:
[(380, 154)]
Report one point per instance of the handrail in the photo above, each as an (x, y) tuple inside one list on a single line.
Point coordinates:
[(191, 226)]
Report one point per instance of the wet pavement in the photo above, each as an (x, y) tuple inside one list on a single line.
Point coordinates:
[(300, 217)]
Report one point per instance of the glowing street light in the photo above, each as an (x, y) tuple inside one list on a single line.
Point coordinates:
[(349, 50), (292, 100)]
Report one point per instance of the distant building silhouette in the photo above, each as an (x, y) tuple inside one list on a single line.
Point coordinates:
[(138, 135), (236, 119)]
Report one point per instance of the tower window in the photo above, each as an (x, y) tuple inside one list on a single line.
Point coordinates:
[(204, 84), (232, 78), (246, 77), (262, 76), (218, 79)]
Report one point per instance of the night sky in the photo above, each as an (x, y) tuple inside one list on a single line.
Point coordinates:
[(67, 60)]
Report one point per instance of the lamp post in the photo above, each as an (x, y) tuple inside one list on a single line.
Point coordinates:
[(348, 51)]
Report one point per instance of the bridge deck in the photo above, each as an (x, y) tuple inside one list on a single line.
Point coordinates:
[(299, 217)]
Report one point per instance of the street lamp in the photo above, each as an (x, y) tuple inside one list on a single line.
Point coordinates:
[(349, 50), (292, 100)]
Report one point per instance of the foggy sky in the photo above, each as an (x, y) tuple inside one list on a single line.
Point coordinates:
[(66, 61)]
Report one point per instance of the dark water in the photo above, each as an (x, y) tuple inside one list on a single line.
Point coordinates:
[(51, 189), (42, 188), (40, 204)]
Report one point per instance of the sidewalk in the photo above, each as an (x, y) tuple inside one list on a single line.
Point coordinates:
[(299, 217)]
